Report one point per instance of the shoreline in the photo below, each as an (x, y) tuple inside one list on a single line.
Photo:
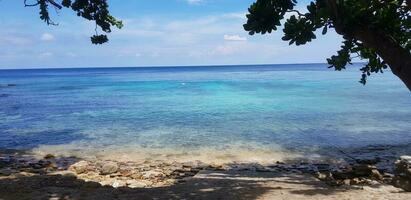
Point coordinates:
[(24, 176), (235, 153), (374, 163)]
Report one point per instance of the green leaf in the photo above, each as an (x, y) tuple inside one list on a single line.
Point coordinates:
[(324, 30)]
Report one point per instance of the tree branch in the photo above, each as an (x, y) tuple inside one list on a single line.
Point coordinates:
[(52, 2), (298, 12), (397, 58)]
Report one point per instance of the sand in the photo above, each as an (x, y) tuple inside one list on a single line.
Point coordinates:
[(205, 185)]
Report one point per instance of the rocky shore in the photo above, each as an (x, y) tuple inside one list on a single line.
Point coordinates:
[(160, 174)]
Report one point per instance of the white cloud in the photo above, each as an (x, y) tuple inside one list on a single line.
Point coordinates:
[(47, 37), (194, 2), (234, 38)]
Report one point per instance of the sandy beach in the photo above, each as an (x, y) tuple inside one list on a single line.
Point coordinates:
[(204, 185), (25, 175)]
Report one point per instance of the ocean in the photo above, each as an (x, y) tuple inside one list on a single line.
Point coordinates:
[(245, 113)]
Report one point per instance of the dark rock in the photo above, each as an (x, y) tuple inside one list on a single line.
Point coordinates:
[(402, 183), (344, 174), (6, 172), (363, 170), (402, 173), (369, 161), (49, 156), (262, 169), (322, 167)]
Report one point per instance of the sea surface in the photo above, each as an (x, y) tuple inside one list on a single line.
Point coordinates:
[(247, 113)]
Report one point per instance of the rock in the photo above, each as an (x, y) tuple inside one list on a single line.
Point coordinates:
[(79, 167), (107, 182), (6, 172), (347, 182), (64, 173), (355, 181), (52, 166), (406, 159), (387, 175), (190, 174), (138, 183), (136, 176), (118, 184), (195, 164), (324, 176), (37, 166), (322, 167), (263, 169), (369, 161), (168, 172), (126, 172), (171, 181), (403, 166), (363, 170), (26, 174), (109, 168), (49, 156), (214, 166), (402, 173), (376, 174), (152, 174), (344, 174)]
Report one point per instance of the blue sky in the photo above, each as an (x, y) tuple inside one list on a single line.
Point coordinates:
[(156, 33)]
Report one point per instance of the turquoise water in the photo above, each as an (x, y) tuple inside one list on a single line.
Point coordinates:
[(295, 108)]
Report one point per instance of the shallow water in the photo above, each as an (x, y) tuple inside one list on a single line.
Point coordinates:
[(228, 113)]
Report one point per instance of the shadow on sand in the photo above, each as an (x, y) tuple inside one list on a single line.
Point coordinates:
[(205, 185)]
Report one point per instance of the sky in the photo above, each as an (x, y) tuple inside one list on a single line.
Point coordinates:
[(155, 33)]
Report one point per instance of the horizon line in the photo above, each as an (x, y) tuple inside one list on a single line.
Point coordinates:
[(166, 66)]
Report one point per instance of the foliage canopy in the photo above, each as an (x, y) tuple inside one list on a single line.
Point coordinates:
[(93, 10), (369, 28)]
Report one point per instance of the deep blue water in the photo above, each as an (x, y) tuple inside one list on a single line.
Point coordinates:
[(296, 107)]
